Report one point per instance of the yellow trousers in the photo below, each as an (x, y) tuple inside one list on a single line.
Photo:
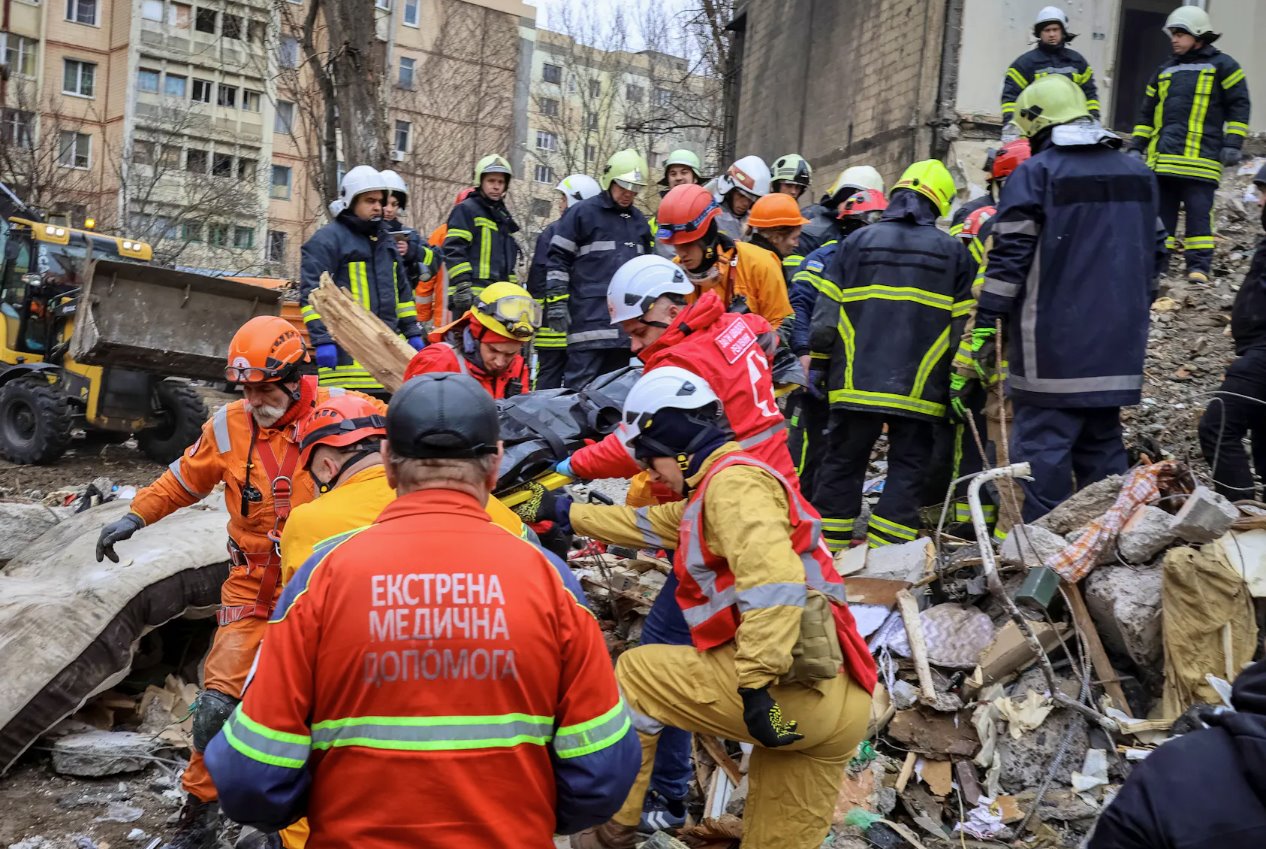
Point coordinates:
[(792, 790)]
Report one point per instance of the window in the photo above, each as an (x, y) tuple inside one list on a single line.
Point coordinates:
[(663, 97), (16, 127), (549, 107), (244, 238), (152, 10), (232, 26), (250, 100), (78, 77), (634, 93), (280, 188), (246, 169), (276, 246), (147, 80), (591, 153), (217, 235), (406, 72), (595, 88), (222, 165), (174, 85), (383, 4), (75, 150), (196, 161), (591, 122), (169, 156), (288, 52), (19, 54), (143, 152), (552, 73), (402, 136), (284, 118), (541, 208), (571, 84), (256, 31), (204, 20), (226, 95), (179, 15), (411, 13), (546, 141), (192, 231), (544, 174), (201, 91), (82, 11)]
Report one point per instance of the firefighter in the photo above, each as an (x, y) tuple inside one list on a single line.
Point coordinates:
[(487, 342), (1192, 124), (744, 276), (998, 165), (1071, 276), (474, 672), (551, 345), (824, 221), (791, 175), (594, 239), (1052, 55), (808, 411), (681, 166), (357, 250), (480, 248), (249, 446), (754, 579), (1238, 407), (421, 261), (774, 224), (742, 184), (905, 288), (424, 294)]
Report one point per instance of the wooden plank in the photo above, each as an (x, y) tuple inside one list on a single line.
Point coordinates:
[(716, 750), (1098, 656), (918, 646), (369, 341)]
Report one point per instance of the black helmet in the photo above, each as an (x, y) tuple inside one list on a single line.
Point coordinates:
[(442, 415)]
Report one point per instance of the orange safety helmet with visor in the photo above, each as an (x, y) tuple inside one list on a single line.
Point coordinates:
[(684, 214), (339, 422), (266, 349)]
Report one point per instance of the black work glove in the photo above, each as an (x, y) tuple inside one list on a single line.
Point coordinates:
[(558, 314), (765, 721), (461, 300), (1137, 153), (545, 505), (1231, 156), (117, 531), (816, 385)]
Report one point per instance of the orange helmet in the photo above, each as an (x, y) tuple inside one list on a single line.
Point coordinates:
[(776, 210), (339, 421), (1009, 158), (685, 213), (266, 349), (975, 221), (865, 205), (463, 194)]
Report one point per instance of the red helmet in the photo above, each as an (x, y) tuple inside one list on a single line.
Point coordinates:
[(1009, 157), (976, 221), (339, 421), (866, 205), (266, 349), (463, 194), (684, 214)]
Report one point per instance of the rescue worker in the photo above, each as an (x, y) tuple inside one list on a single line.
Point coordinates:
[(249, 446), (480, 248), (1192, 124), (486, 343), (1239, 406), (551, 345), (425, 293), (905, 288), (421, 262), (742, 184), (824, 220), (808, 410), (594, 239), (714, 262), (1052, 55), (754, 576), (774, 224), (358, 252), (473, 673), (1071, 276), (681, 166), (999, 165), (791, 175)]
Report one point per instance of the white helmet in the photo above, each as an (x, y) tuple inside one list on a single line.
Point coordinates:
[(857, 177), (641, 280), (395, 185), (1051, 15), (750, 175), (1192, 20), (357, 181), (665, 388), (578, 187)]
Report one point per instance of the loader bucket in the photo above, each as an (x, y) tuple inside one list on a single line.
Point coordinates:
[(159, 320)]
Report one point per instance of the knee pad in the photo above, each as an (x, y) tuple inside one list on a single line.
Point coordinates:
[(210, 710)]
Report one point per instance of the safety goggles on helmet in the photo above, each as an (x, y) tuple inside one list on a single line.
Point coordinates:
[(257, 374), (343, 428), (519, 315), (666, 231), (629, 185)]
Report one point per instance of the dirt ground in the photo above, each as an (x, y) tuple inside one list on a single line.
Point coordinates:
[(86, 460)]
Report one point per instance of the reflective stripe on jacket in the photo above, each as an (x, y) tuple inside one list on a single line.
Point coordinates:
[(536, 286), (807, 284), (479, 247), (1041, 61)]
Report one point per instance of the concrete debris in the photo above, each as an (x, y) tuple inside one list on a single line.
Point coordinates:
[(22, 523), (136, 835), (1026, 761), (1083, 507), (1030, 545), (121, 812), (909, 561), (1148, 532), (1204, 516), (98, 753), (1125, 605)]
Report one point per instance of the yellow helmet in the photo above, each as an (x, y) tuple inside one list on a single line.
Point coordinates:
[(1048, 101), (932, 180), (508, 310)]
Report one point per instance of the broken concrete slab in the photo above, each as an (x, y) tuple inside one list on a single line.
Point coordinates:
[(1030, 545), (98, 753), (1204, 516), (1125, 604), (909, 561), (1148, 532), (21, 523), (1083, 507), (1026, 761)]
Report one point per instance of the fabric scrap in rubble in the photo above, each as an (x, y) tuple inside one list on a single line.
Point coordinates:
[(983, 821)]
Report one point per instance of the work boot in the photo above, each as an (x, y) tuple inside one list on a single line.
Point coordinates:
[(609, 835), (198, 825), (1198, 277)]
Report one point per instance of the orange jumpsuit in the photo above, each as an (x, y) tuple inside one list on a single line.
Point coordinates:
[(220, 454), (756, 274)]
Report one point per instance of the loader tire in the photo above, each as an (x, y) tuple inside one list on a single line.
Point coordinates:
[(35, 421), (185, 414)]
